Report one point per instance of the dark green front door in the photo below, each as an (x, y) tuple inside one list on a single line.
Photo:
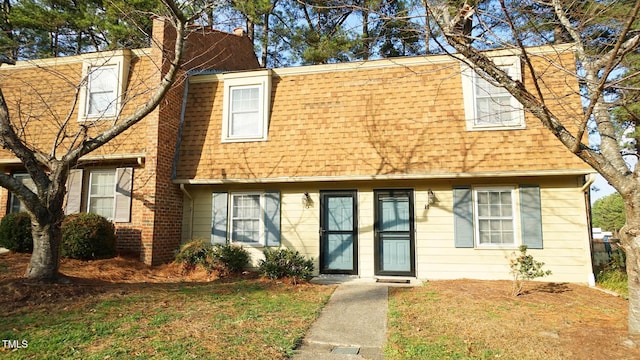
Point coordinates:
[(338, 232), (394, 233)]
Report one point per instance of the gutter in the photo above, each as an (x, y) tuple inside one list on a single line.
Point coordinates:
[(443, 176), (590, 179)]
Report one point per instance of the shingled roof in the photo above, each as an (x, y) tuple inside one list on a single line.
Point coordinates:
[(395, 118)]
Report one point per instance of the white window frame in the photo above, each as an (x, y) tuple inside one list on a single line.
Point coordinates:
[(261, 236), (113, 193), (469, 80), (260, 80), (119, 60), (514, 217)]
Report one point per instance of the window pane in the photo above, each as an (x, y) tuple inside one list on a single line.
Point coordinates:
[(245, 124), (102, 183), (244, 99), (101, 206)]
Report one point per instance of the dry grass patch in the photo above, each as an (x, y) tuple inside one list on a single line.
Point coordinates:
[(467, 319), (121, 309)]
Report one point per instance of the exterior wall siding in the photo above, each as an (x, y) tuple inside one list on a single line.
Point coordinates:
[(566, 241)]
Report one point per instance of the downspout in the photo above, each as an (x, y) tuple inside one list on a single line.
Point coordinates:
[(590, 179), (186, 193), (587, 201)]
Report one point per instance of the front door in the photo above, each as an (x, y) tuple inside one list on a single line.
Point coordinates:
[(394, 233), (338, 232)]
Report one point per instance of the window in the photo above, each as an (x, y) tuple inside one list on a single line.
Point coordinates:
[(105, 192), (245, 218), (101, 192), (489, 107), (250, 218), (15, 205), (105, 82), (487, 217), (494, 220), (246, 106), (101, 91)]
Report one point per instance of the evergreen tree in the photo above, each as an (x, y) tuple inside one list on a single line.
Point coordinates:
[(608, 213)]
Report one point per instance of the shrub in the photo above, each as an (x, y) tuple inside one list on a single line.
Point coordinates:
[(224, 259), (194, 253), (523, 268), (230, 258), (15, 232), (286, 263), (88, 236)]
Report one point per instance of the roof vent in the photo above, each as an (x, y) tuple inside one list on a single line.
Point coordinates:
[(239, 31)]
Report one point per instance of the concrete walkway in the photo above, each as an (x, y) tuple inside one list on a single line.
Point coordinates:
[(352, 325)]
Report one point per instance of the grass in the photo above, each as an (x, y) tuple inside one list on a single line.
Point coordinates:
[(614, 280), (248, 319), (471, 319)]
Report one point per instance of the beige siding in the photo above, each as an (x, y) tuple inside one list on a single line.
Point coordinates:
[(566, 248)]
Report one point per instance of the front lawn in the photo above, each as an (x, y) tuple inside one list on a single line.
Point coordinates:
[(469, 319), (242, 318)]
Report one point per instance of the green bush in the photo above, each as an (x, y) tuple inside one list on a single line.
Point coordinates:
[(88, 236), (231, 258), (224, 259), (15, 232), (286, 263)]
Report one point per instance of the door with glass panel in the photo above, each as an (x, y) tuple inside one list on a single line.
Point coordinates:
[(394, 233), (338, 232)]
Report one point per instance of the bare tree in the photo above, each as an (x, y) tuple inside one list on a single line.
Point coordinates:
[(606, 40), (49, 169)]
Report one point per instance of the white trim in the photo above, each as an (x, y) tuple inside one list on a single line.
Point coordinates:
[(515, 218), (73, 59), (121, 62), (260, 80), (408, 61), (139, 157), (305, 179), (261, 232), (469, 87)]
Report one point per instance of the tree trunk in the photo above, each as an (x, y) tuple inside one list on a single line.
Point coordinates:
[(265, 39), (45, 260), (632, 250)]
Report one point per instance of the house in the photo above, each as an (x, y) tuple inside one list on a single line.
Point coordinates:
[(411, 167), (406, 168), (129, 179)]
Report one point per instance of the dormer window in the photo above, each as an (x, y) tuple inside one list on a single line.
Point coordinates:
[(246, 106), (102, 91), (105, 83), (490, 107)]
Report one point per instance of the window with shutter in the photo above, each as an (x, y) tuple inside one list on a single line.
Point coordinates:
[(247, 218)]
